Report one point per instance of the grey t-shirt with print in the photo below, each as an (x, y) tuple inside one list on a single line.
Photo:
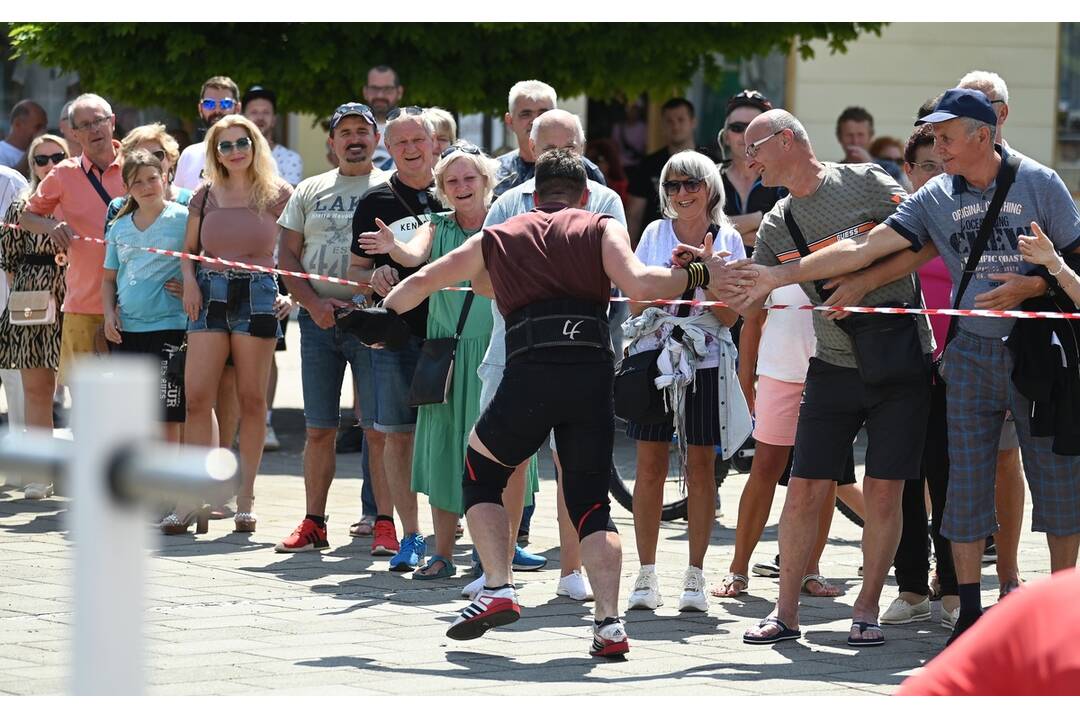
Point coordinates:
[(948, 212), (852, 200)]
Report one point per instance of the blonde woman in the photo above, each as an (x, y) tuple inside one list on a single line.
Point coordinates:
[(33, 262), (154, 139), (445, 128), (464, 180), (233, 216)]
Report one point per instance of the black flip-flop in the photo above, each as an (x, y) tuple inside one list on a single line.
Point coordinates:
[(863, 627), (785, 633)]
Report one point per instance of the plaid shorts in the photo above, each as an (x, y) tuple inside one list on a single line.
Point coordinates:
[(979, 390)]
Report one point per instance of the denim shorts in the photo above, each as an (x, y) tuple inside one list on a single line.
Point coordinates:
[(392, 377), (323, 355), (237, 302)]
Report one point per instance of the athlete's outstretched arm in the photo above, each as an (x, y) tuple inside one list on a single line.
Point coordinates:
[(464, 263)]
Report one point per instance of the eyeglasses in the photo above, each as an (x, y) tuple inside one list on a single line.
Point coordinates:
[(737, 127), (752, 148), (406, 111), (671, 187), (225, 104), (159, 154), (928, 166), (242, 145), (43, 160), (93, 124), (465, 147)]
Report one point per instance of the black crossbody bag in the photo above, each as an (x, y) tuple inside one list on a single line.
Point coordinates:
[(887, 348), (637, 398), (434, 374)]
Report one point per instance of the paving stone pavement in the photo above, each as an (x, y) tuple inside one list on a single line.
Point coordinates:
[(226, 615)]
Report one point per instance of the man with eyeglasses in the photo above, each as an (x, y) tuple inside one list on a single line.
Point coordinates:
[(827, 203), (529, 99), (218, 97), (383, 92), (28, 120), (403, 203), (80, 188), (643, 201), (315, 237)]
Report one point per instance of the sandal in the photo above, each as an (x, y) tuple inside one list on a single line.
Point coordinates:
[(364, 528), (785, 633), (726, 584), (446, 571), (245, 521), (820, 580), (862, 627), (1009, 587), (459, 530)]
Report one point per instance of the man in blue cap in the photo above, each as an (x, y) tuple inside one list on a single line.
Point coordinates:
[(944, 218)]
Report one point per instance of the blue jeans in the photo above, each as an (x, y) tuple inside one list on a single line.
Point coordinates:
[(392, 377), (323, 355), (237, 302)]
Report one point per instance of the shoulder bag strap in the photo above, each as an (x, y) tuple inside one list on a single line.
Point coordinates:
[(96, 183), (1012, 163), (801, 245), (390, 184), (464, 314), (202, 214)]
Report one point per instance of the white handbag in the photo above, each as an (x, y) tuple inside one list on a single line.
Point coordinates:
[(32, 307)]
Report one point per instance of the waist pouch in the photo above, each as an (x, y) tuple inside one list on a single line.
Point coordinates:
[(636, 396), (887, 347), (558, 324)]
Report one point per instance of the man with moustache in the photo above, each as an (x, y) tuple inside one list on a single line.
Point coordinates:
[(219, 97), (403, 203), (260, 107), (315, 237), (382, 92)]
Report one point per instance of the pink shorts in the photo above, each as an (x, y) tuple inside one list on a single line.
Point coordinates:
[(776, 411)]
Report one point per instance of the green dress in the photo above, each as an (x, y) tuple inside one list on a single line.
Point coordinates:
[(442, 431)]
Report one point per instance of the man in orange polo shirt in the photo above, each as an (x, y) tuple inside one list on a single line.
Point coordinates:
[(79, 190)]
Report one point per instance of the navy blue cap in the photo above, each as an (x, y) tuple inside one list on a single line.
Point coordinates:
[(962, 103), (352, 108)]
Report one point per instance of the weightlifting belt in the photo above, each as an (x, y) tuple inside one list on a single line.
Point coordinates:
[(558, 324)]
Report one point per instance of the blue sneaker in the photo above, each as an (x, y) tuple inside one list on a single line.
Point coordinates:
[(525, 561), (411, 555)]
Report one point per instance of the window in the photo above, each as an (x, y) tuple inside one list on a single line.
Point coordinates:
[(1067, 156)]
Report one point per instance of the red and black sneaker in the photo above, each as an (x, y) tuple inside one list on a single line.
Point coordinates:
[(308, 536), (610, 640), (384, 538), (490, 609)]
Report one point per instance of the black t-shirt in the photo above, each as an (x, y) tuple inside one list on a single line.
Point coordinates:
[(645, 183), (761, 199), (381, 202)]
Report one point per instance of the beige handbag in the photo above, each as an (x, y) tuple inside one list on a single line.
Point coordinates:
[(32, 307)]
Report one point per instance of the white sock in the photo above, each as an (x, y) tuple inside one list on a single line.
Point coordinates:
[(649, 569), (269, 413)]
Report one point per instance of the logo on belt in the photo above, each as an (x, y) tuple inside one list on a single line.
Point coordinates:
[(569, 331)]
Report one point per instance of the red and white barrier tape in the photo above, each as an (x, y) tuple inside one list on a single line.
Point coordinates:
[(1017, 314)]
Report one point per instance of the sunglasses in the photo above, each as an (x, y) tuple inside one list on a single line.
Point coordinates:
[(242, 145), (225, 104), (465, 147), (671, 187), (752, 148), (406, 111), (159, 154), (737, 127), (43, 160)]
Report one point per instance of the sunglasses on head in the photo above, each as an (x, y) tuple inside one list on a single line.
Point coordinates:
[(43, 160), (737, 127), (671, 187), (407, 111), (465, 147), (225, 104), (159, 154), (242, 145)]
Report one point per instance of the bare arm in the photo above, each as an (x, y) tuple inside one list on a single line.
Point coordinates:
[(58, 230), (635, 213), (464, 263), (749, 339), (360, 270), (108, 303), (411, 253), (850, 289), (192, 295)]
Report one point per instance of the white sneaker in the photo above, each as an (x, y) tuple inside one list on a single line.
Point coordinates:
[(948, 619), (575, 586), (473, 589), (37, 491), (271, 442), (693, 594), (646, 592), (901, 612)]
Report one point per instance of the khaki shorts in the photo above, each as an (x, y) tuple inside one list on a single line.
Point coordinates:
[(80, 334)]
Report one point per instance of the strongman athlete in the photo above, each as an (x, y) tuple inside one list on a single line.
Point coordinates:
[(551, 271)]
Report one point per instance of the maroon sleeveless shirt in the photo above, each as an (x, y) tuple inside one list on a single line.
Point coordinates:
[(550, 253)]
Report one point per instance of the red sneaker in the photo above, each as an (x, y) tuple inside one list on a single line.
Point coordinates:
[(384, 538), (490, 609), (610, 641), (307, 536)]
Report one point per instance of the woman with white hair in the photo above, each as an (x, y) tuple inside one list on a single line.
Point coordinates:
[(697, 361), (464, 180)]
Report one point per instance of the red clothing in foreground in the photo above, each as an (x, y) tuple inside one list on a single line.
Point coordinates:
[(1027, 644)]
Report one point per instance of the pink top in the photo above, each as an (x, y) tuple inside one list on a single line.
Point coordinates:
[(937, 287), (239, 233)]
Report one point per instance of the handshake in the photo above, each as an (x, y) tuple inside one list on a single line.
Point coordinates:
[(377, 327), (739, 283)]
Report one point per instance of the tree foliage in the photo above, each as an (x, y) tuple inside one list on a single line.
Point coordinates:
[(463, 66)]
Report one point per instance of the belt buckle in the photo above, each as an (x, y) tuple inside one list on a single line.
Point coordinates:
[(60, 259)]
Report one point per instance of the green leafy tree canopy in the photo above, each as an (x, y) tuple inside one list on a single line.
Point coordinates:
[(466, 67)]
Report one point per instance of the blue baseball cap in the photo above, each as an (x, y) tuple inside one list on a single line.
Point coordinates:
[(962, 103), (351, 108)]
